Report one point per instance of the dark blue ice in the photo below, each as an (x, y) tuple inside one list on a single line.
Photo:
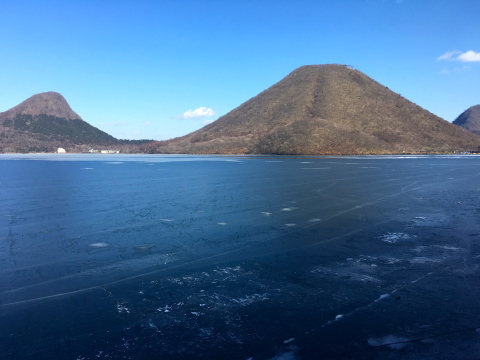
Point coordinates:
[(198, 257)]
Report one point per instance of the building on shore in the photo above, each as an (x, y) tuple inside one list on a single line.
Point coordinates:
[(95, 151)]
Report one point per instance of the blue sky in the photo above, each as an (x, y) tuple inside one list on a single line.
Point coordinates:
[(160, 69)]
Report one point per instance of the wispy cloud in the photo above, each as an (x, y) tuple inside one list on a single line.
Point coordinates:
[(455, 69), (197, 113), (468, 56)]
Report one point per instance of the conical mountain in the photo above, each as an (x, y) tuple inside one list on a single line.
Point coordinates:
[(470, 119), (324, 109), (44, 122)]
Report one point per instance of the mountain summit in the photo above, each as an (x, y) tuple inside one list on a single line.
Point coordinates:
[(45, 122), (47, 103), (470, 119), (324, 109)]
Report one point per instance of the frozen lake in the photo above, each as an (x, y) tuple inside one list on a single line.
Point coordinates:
[(202, 257)]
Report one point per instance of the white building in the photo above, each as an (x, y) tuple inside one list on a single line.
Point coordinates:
[(61, 151)]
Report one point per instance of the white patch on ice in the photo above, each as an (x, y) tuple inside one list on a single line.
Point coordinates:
[(423, 260), (395, 237), (222, 223), (391, 261), (384, 296), (289, 209), (289, 225), (322, 168), (98, 245), (166, 220), (338, 317), (87, 168), (123, 309), (369, 278), (195, 313), (305, 162), (266, 213), (448, 247), (249, 299), (165, 309), (114, 162), (152, 325), (314, 220), (390, 340), (288, 340)]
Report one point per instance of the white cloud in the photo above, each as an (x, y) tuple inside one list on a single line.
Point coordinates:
[(468, 56), (198, 113)]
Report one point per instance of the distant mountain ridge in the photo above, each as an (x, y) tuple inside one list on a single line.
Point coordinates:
[(324, 109), (470, 119)]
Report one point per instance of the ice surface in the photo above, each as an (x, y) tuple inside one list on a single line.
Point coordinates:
[(133, 260), (289, 355), (392, 341)]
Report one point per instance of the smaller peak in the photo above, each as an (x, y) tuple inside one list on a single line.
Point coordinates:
[(52, 94), (45, 103), (47, 96)]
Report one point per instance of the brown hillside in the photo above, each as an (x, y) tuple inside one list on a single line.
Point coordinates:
[(470, 119), (324, 109)]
